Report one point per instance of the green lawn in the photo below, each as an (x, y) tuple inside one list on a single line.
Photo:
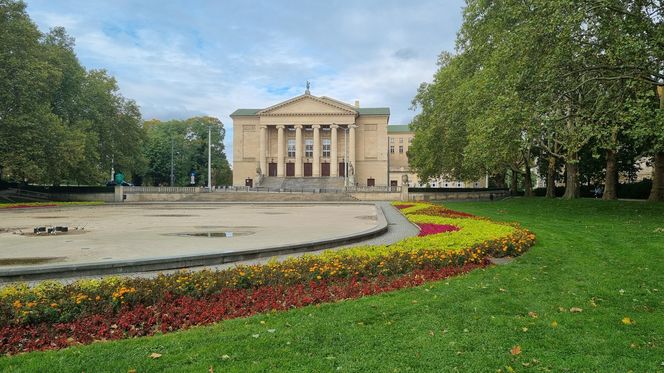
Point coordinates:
[(605, 258)]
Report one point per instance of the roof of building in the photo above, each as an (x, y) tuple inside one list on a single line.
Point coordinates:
[(374, 111), (245, 112), (398, 128), (361, 111)]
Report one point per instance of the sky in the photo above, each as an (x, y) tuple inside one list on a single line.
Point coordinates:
[(179, 59)]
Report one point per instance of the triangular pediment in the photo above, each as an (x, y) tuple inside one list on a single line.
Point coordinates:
[(310, 105)]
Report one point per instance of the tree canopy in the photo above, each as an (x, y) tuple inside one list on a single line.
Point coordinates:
[(569, 81)]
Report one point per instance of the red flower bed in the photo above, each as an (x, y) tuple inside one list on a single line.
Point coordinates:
[(442, 211), (430, 228), (174, 313), (401, 207)]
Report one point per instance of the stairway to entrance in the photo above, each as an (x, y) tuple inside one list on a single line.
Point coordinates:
[(306, 184)]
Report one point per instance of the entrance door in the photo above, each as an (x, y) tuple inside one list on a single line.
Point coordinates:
[(308, 169), (290, 169), (371, 182), (325, 169), (272, 169), (249, 182), (342, 169)]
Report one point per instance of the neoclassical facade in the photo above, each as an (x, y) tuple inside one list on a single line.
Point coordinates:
[(311, 137)]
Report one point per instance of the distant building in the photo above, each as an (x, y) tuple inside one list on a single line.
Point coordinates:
[(400, 137), (317, 141)]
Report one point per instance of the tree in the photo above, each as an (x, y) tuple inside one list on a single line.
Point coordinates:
[(186, 141)]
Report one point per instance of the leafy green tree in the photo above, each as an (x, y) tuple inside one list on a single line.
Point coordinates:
[(186, 143), (25, 81)]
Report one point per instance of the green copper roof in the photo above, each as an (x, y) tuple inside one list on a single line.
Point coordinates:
[(244, 112), (374, 111), (396, 128), (362, 111)]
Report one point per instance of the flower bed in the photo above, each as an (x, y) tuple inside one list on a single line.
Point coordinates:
[(427, 229), (180, 312), (59, 315)]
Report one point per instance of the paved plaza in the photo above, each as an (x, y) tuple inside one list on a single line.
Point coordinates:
[(130, 232)]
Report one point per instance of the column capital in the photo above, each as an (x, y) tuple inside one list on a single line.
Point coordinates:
[(334, 126), (315, 126), (280, 126), (298, 126), (262, 126), (353, 126)]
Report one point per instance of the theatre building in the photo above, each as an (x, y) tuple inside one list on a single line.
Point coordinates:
[(310, 141)]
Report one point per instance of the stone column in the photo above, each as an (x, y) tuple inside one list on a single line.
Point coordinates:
[(316, 165), (334, 162), (351, 147), (298, 150), (280, 151), (262, 150)]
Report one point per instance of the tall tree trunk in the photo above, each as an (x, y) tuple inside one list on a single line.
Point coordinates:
[(611, 179), (657, 190), (514, 180), (499, 178), (572, 178), (551, 177), (528, 183)]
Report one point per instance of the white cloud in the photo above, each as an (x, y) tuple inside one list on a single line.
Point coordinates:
[(178, 60)]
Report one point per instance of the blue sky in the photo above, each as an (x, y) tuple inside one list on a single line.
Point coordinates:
[(179, 59)]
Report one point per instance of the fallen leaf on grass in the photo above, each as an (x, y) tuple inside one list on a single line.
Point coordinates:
[(532, 314), (627, 321), (554, 324), (524, 329), (255, 335), (211, 370), (155, 355), (225, 357), (575, 310), (271, 330), (515, 350)]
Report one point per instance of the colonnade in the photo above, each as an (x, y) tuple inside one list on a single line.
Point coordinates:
[(300, 149)]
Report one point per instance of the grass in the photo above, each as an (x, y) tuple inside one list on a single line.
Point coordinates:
[(602, 257)]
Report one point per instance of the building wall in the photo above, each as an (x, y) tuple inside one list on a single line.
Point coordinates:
[(370, 137), (245, 148)]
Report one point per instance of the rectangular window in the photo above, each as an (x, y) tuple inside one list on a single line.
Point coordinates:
[(391, 140), (400, 140), (400, 149), (327, 143), (391, 149), (291, 148), (309, 148)]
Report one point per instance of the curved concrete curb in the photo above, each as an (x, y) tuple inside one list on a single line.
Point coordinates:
[(175, 262)]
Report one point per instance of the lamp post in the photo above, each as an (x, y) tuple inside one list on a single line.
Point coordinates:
[(209, 183), (346, 157), (172, 170)]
